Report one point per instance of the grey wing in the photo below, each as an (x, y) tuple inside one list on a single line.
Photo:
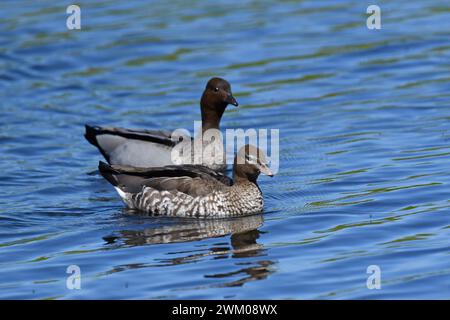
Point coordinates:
[(189, 179), (143, 148), (188, 185), (192, 171)]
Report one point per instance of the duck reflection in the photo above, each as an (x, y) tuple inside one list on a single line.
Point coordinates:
[(243, 244), (184, 230)]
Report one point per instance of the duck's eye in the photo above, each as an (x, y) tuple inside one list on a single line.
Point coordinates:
[(216, 89), (250, 158)]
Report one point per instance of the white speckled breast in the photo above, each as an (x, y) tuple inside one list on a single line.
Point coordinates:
[(237, 200)]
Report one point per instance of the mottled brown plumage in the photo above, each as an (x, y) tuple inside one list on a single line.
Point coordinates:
[(193, 191)]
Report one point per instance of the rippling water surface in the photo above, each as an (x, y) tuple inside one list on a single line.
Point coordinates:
[(364, 142)]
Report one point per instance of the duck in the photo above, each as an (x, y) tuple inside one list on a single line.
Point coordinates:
[(153, 148), (192, 190)]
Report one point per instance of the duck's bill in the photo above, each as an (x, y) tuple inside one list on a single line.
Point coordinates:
[(265, 170), (231, 100)]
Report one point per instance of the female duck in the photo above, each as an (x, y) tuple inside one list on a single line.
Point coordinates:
[(193, 191)]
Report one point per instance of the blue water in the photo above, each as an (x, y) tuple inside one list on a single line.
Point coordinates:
[(364, 123)]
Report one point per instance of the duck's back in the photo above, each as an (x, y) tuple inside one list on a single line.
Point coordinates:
[(151, 148)]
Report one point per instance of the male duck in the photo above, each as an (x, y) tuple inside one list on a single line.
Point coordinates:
[(153, 148)]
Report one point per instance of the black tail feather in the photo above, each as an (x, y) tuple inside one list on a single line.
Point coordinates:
[(91, 136), (127, 183), (108, 173)]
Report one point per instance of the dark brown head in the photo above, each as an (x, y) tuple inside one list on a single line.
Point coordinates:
[(249, 163), (216, 97)]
